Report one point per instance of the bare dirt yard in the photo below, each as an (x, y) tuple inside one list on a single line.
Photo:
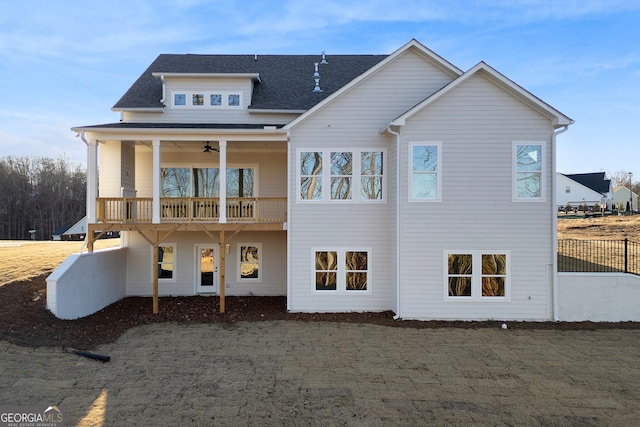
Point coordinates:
[(24, 319), (608, 227)]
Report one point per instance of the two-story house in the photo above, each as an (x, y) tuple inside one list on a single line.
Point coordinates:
[(345, 182)]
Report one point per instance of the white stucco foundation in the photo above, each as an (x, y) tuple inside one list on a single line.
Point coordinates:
[(86, 283), (598, 297)]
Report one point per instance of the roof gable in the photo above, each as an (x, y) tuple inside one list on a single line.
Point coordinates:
[(557, 118), (413, 44)]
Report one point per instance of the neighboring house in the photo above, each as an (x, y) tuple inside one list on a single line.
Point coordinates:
[(57, 233), (347, 183), (624, 197), (583, 188), (77, 231)]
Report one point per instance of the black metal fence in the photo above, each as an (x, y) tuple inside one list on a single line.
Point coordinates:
[(599, 256)]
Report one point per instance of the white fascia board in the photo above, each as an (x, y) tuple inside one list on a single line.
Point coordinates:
[(252, 76), (140, 109), (194, 134), (413, 43)]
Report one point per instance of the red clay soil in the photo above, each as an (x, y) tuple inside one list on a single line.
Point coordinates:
[(25, 320)]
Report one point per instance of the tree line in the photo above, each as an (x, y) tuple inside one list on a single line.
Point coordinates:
[(38, 195)]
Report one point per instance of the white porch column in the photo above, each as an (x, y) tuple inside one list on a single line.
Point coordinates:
[(155, 210), (92, 181), (223, 182)]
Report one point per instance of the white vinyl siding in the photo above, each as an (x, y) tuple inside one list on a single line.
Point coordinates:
[(353, 121), (476, 124), (116, 168)]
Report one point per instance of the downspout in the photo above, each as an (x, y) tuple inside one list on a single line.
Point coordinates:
[(554, 231), (164, 90), (397, 135)]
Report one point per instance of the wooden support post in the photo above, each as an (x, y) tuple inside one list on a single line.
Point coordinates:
[(90, 238), (223, 251)]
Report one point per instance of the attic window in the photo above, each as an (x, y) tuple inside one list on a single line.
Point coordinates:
[(209, 99), (216, 100), (179, 99), (234, 100), (197, 99)]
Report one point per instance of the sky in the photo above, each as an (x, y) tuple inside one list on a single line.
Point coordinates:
[(66, 63)]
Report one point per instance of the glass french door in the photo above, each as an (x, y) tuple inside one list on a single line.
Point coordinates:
[(207, 272)]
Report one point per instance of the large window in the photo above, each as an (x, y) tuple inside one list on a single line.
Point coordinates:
[(477, 275), (352, 175), (249, 256), (529, 171), (424, 179), (205, 182), (342, 270)]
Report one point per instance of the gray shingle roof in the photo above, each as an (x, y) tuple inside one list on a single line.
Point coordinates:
[(286, 81), (594, 181)]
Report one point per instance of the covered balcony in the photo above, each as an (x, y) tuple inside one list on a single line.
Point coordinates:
[(185, 210)]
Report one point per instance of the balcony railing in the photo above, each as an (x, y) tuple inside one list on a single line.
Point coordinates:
[(138, 210)]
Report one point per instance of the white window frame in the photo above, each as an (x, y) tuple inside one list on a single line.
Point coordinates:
[(207, 99), (175, 269), (341, 272), (543, 171), (356, 175), (476, 276), (239, 258), (438, 171)]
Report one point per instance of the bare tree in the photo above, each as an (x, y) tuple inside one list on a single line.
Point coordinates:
[(39, 194)]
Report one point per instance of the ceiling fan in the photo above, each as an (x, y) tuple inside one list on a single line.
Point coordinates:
[(208, 148)]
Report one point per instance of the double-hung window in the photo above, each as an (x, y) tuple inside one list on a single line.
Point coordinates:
[(477, 275), (342, 270), (351, 175), (529, 170), (425, 182)]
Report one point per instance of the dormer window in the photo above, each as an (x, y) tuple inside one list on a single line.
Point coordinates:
[(179, 99), (197, 99), (234, 100), (207, 99), (216, 100)]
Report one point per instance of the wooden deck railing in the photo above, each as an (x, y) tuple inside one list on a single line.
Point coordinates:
[(192, 209)]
